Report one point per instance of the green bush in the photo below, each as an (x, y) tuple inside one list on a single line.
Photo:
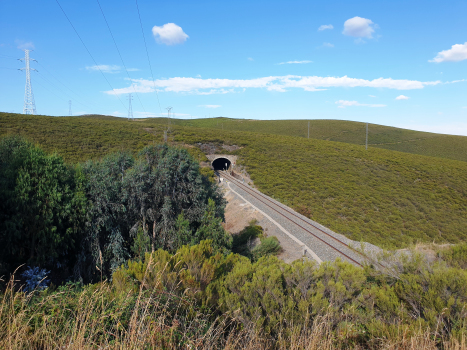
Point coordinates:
[(268, 246)]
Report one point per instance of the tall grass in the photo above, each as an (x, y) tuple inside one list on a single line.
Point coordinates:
[(96, 318)]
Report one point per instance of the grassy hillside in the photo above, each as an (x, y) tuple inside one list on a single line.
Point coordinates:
[(403, 140), (381, 196)]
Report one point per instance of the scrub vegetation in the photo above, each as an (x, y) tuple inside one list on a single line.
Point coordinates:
[(121, 246), (199, 298), (391, 199)]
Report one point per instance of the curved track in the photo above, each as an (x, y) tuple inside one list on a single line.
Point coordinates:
[(324, 243)]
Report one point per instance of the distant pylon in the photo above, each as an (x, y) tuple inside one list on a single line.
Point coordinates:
[(69, 112), (130, 108), (29, 104)]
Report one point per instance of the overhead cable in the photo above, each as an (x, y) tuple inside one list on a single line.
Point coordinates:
[(147, 54), (90, 53)]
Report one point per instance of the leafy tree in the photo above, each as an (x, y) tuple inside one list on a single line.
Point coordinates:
[(183, 232), (108, 221), (42, 206), (149, 192), (211, 228), (141, 244)]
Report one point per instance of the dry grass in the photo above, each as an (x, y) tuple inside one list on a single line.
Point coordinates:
[(164, 323)]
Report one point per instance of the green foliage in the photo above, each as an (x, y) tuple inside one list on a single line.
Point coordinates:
[(211, 228), (455, 256), (193, 271), (42, 206), (242, 242), (268, 246), (162, 184), (387, 198), (141, 244), (188, 296)]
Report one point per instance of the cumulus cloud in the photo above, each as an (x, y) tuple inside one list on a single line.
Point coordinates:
[(359, 27), (325, 26), (250, 59), (328, 45), (169, 34), (210, 106), (296, 62), (105, 68), (272, 83), (372, 96), (402, 97), (456, 53), (24, 45), (343, 104)]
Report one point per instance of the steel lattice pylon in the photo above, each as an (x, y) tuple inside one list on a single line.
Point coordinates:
[(29, 104)]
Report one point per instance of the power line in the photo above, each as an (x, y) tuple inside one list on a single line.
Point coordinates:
[(58, 89), (147, 54), (74, 92), (121, 58), (82, 42)]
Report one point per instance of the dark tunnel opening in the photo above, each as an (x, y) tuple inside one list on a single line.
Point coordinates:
[(221, 164)]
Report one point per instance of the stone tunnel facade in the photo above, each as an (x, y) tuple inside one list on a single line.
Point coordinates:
[(232, 160)]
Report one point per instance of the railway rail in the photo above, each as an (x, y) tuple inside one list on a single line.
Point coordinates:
[(287, 214)]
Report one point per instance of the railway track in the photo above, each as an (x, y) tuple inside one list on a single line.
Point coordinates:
[(330, 241)]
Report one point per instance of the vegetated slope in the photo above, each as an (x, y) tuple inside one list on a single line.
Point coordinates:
[(79, 138), (380, 196), (403, 140)]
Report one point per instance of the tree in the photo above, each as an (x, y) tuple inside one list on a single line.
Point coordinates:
[(42, 206), (211, 228), (149, 192), (108, 219)]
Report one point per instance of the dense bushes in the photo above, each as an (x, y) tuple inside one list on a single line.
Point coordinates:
[(83, 222), (360, 306), (42, 207)]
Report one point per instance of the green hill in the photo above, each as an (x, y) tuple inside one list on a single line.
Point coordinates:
[(403, 140), (377, 195)]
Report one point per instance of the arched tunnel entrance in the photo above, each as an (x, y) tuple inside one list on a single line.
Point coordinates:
[(221, 164)]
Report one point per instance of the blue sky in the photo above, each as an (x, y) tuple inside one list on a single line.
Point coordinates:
[(398, 63)]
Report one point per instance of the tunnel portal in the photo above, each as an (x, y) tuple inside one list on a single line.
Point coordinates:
[(221, 164)]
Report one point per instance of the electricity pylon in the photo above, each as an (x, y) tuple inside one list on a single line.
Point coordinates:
[(29, 104), (130, 108), (168, 117)]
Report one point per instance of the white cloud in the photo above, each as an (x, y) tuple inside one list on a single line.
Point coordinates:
[(456, 53), (169, 34), (272, 83), (328, 45), (359, 27), (372, 96), (296, 62), (325, 26), (24, 45), (132, 69), (250, 59), (210, 106), (402, 97), (105, 68), (343, 104), (465, 107)]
